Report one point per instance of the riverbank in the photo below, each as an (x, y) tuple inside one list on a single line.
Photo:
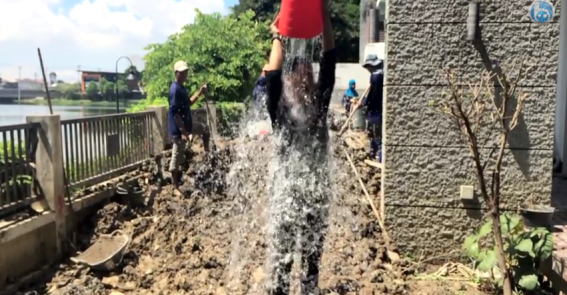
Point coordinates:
[(82, 102)]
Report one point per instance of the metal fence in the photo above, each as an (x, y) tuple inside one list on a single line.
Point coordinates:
[(18, 144), (95, 149)]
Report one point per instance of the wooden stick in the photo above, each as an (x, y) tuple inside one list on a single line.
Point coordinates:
[(384, 232), (345, 125), (45, 82), (373, 164)]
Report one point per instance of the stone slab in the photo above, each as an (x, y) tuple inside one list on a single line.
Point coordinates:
[(433, 176), (430, 231), (414, 119), (456, 11), (418, 53)]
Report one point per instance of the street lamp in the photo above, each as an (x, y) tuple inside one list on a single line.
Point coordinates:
[(130, 77)]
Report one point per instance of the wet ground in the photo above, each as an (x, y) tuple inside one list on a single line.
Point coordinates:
[(205, 243)]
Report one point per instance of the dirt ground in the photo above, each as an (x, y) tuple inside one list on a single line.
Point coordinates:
[(204, 243)]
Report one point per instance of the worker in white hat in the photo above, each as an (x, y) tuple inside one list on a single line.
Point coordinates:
[(179, 120)]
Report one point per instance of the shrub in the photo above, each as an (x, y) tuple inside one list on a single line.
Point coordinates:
[(524, 250)]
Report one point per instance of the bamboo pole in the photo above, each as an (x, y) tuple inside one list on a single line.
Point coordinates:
[(387, 240), (345, 125)]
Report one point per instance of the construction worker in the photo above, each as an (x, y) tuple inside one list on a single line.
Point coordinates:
[(373, 103)]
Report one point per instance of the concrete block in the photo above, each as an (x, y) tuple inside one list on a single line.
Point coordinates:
[(413, 121), (50, 176), (455, 11), (26, 253), (432, 176), (417, 53), (159, 125), (430, 231)]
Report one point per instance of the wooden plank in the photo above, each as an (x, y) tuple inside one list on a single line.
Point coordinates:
[(374, 164)]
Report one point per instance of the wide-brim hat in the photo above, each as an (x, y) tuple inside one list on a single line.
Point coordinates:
[(372, 60)]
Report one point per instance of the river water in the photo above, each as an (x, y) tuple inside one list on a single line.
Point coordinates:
[(16, 114)]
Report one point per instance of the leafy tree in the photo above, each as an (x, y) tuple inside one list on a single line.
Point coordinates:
[(225, 52), (345, 18), (109, 89), (122, 87), (68, 90), (92, 89), (103, 85), (134, 70)]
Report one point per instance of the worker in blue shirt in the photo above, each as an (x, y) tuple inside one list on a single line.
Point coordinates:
[(180, 123), (373, 103)]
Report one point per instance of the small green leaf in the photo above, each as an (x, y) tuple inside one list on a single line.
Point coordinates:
[(473, 251), (544, 247), (485, 229), (469, 241), (529, 282), (525, 245), (508, 223), (538, 231), (488, 262)]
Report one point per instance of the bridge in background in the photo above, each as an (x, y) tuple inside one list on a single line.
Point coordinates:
[(9, 95)]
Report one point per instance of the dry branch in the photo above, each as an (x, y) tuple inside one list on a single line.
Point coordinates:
[(487, 101)]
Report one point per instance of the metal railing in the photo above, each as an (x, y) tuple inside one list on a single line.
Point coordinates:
[(95, 149), (18, 144)]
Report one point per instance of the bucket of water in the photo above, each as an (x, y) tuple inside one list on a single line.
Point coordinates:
[(359, 119), (300, 19)]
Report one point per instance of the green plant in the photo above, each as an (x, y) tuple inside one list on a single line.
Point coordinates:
[(524, 250), (229, 65), (11, 148)]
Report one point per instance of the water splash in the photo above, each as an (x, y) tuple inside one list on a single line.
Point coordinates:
[(282, 183)]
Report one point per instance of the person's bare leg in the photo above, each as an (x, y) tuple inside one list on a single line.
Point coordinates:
[(177, 156)]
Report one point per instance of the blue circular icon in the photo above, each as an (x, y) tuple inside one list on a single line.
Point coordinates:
[(541, 11)]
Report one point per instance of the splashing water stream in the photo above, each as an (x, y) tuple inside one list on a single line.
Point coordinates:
[(281, 183)]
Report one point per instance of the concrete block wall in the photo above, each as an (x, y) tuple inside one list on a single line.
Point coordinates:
[(425, 161)]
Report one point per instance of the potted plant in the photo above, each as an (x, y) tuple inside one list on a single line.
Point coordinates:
[(536, 215)]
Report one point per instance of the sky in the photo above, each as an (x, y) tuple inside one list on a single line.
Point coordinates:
[(91, 34)]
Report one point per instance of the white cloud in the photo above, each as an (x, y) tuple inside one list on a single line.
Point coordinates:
[(91, 33)]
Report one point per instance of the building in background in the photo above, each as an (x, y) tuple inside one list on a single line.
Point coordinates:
[(372, 24), (96, 76)]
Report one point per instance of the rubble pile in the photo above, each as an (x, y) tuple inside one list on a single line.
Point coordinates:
[(189, 245)]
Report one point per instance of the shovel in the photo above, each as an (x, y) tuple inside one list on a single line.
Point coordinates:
[(209, 119)]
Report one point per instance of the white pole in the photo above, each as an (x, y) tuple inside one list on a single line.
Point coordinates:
[(19, 79)]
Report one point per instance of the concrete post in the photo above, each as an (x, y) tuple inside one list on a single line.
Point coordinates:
[(49, 172), (372, 22), (159, 125), (213, 121), (363, 38)]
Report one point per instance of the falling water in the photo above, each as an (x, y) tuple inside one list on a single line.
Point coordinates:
[(276, 183)]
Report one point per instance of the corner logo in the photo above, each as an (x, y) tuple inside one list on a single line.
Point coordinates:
[(541, 11)]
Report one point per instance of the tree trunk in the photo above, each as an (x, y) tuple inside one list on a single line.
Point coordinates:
[(500, 255)]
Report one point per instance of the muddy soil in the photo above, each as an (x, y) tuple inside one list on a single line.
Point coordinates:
[(205, 243)]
